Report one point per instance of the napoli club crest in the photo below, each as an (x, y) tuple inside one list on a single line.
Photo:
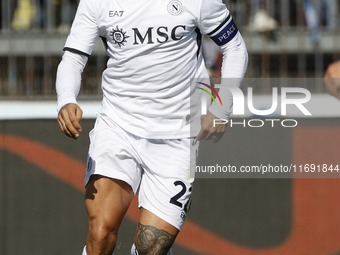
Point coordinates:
[(175, 8)]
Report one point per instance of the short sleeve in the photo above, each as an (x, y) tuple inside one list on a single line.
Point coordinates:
[(84, 31), (216, 22)]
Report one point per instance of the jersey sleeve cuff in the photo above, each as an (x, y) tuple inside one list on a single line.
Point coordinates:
[(75, 51), (62, 102), (79, 48), (219, 112)]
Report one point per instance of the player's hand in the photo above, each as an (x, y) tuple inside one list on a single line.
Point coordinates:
[(208, 131), (69, 119), (332, 79)]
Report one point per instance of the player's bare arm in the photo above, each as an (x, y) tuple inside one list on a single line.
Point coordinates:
[(151, 240), (208, 130), (332, 79), (69, 119)]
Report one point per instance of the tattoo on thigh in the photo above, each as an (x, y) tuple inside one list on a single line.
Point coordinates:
[(153, 241)]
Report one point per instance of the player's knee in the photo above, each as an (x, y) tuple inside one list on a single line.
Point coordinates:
[(102, 234)]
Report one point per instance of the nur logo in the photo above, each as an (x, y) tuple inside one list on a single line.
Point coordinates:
[(204, 106), (213, 90)]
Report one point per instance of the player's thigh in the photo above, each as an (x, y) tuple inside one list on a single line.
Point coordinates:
[(107, 201)]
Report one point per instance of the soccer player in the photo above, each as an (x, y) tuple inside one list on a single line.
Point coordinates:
[(332, 79), (142, 139)]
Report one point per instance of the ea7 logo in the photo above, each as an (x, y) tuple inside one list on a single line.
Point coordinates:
[(116, 13)]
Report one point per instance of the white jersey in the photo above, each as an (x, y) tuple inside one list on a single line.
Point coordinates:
[(154, 52)]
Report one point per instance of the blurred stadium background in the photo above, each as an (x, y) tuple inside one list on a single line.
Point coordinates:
[(284, 38), (41, 171)]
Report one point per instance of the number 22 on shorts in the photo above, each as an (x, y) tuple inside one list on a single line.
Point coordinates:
[(174, 199)]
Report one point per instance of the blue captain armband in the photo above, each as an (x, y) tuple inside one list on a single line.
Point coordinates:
[(225, 32)]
